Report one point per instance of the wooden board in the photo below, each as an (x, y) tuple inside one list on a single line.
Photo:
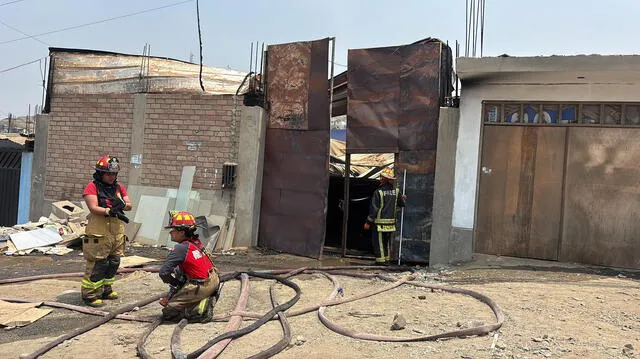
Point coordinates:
[(602, 197), (520, 195)]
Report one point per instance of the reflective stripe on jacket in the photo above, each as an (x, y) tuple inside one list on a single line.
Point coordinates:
[(384, 204)]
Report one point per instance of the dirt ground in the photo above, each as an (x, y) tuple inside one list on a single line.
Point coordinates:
[(552, 310)]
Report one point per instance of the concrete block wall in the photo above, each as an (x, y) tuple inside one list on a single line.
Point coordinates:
[(179, 130)]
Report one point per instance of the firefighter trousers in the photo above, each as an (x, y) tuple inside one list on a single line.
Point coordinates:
[(102, 254), (193, 301), (380, 241)]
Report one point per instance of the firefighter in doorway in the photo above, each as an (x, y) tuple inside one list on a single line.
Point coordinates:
[(190, 273), (105, 237), (382, 215)]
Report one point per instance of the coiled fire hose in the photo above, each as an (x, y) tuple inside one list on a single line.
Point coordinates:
[(279, 311)]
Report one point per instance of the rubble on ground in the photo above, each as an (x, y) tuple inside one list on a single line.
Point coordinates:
[(49, 235)]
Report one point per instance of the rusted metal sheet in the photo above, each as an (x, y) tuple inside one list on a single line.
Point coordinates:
[(601, 224), (373, 100), (394, 96), (77, 71), (294, 194), (419, 96), (297, 88), (418, 214)]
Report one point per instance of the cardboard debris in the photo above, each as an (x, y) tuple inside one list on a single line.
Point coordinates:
[(76, 228), (132, 261), (36, 238), (20, 314), (57, 250), (32, 225)]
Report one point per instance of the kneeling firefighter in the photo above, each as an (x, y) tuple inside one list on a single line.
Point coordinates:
[(105, 239), (190, 273)]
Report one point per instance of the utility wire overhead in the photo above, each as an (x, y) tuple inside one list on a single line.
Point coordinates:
[(25, 64), (23, 33), (10, 2), (97, 22)]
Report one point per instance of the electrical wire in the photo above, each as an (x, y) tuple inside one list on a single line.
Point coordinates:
[(200, 41), (23, 33), (10, 2), (21, 65), (97, 22)]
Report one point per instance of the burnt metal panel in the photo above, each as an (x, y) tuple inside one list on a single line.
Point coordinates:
[(394, 99), (319, 117), (288, 68), (10, 163), (295, 185), (296, 164), (297, 87), (373, 99), (419, 96), (418, 213), (394, 96)]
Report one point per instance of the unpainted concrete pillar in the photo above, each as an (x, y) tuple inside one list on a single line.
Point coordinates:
[(249, 176), (38, 169), (441, 233)]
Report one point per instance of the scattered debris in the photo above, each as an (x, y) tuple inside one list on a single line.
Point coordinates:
[(300, 340), (20, 314), (64, 227), (358, 314), (399, 322), (35, 238), (133, 261)]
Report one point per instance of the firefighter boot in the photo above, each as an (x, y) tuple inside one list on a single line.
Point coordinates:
[(94, 302), (110, 295)]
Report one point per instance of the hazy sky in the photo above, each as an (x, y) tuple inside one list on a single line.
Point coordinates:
[(516, 27)]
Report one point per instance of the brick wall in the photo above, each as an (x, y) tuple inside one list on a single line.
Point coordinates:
[(180, 130), (187, 130), (83, 128)]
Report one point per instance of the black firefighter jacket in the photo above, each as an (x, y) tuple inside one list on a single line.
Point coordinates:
[(384, 203)]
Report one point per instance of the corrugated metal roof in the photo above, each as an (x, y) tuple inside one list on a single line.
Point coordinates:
[(362, 165), (12, 141), (80, 71)]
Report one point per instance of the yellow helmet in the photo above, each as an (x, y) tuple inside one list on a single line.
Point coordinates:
[(388, 173)]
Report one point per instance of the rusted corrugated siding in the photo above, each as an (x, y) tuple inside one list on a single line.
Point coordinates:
[(87, 72), (296, 164)]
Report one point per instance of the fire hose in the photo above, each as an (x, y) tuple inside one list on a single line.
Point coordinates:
[(279, 311)]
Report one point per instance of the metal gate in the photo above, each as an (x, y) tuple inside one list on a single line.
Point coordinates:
[(296, 159), (9, 186)]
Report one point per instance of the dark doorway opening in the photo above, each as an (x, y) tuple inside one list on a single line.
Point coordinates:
[(360, 192)]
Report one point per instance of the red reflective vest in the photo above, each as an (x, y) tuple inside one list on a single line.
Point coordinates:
[(196, 264)]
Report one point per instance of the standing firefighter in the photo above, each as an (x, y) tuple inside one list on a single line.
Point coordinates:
[(190, 273), (382, 214), (105, 239)]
